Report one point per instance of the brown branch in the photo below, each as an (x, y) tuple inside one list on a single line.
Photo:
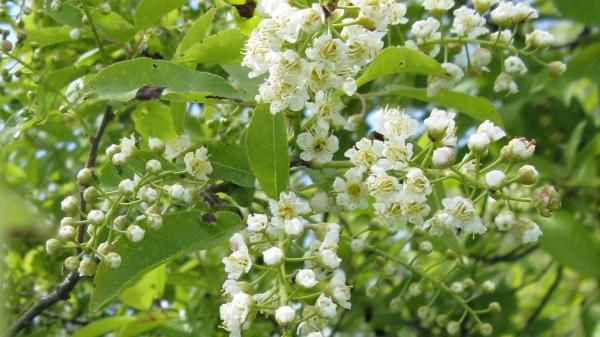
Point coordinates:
[(63, 290), (511, 256)]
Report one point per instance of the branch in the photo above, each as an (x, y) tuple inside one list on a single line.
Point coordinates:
[(63, 290), (511, 256), (546, 297)]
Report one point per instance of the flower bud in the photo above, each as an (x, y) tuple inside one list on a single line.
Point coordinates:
[(486, 329), (453, 327), (527, 175), (539, 39), (72, 263), (505, 220), (155, 221), (66, 233), (112, 150), (495, 179), (90, 194), (443, 157), (149, 195), (518, 149), (69, 205), (156, 145), (135, 233), (121, 222), (418, 231), (468, 283), (357, 245), (104, 248), (451, 255), (153, 166), (495, 307), (441, 320), (85, 176), (557, 68), (481, 59), (481, 6), (113, 260), (87, 267), (177, 191), (53, 246), (319, 202), (478, 142), (306, 278), (105, 8), (425, 247), (6, 46), (126, 187), (75, 34), (285, 315), (488, 286), (91, 231), (546, 199), (330, 259), (527, 230), (96, 217), (119, 159), (257, 222), (293, 227), (68, 221), (423, 312), (414, 289), (273, 256), (457, 287)]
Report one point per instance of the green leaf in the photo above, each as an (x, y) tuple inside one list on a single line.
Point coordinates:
[(581, 10), (230, 163), (16, 211), (225, 47), (149, 12), (121, 81), (477, 107), (181, 233), (51, 35), (197, 31), (393, 60), (569, 242), (591, 148), (112, 25), (240, 75), (267, 148), (574, 141), (584, 62), (52, 84), (154, 119), (103, 326), (145, 290)]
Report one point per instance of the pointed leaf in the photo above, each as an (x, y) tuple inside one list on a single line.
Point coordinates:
[(197, 31), (267, 148), (149, 12), (225, 47), (230, 163)]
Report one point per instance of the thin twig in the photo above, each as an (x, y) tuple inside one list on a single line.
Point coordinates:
[(63, 290), (546, 297)]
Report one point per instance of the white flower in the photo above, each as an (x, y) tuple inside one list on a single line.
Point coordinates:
[(383, 187), (156, 145), (503, 14), (416, 186), (332, 237), (382, 12), (231, 287), (95, 217), (478, 142), (177, 191), (502, 36), (273, 256), (329, 259), (437, 83), (177, 146), (126, 187), (391, 213), (539, 39), (505, 83), (437, 224), (483, 5), (238, 263), (493, 131), (424, 29), (315, 334), (495, 179), (394, 122), (317, 145), (327, 108), (312, 18), (397, 153), (557, 68), (514, 65), (414, 210), (440, 126), (288, 207), (365, 153), (521, 149), (257, 222), (293, 227), (461, 214), (285, 315), (468, 23), (197, 164), (505, 220), (281, 93), (522, 12), (442, 157), (327, 49), (306, 278), (352, 191), (234, 314), (75, 34), (362, 44), (319, 202), (147, 194), (325, 306), (528, 230), (128, 148), (437, 6), (237, 242), (287, 21), (481, 59), (340, 291), (135, 233)]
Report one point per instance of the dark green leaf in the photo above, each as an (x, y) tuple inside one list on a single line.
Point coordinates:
[(52, 85), (267, 148), (153, 119), (225, 47), (230, 163), (393, 60), (477, 107), (149, 12), (181, 233), (122, 80), (197, 31), (581, 10)]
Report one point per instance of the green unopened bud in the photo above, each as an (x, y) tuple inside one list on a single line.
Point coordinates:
[(72, 263), (153, 166), (546, 199), (425, 247), (441, 320), (69, 205), (156, 145), (105, 8), (495, 307), (486, 329), (113, 260), (453, 327), (6, 46), (85, 176), (90, 194), (121, 222), (53, 246), (468, 283), (557, 68), (87, 267), (104, 248), (418, 231), (488, 286), (527, 175), (423, 312), (451, 255)]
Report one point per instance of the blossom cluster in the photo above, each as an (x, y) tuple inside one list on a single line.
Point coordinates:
[(307, 59), (468, 27), (306, 283), (134, 207)]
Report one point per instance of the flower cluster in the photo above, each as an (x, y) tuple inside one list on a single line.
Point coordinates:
[(467, 28), (307, 60), (306, 283), (135, 206)]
